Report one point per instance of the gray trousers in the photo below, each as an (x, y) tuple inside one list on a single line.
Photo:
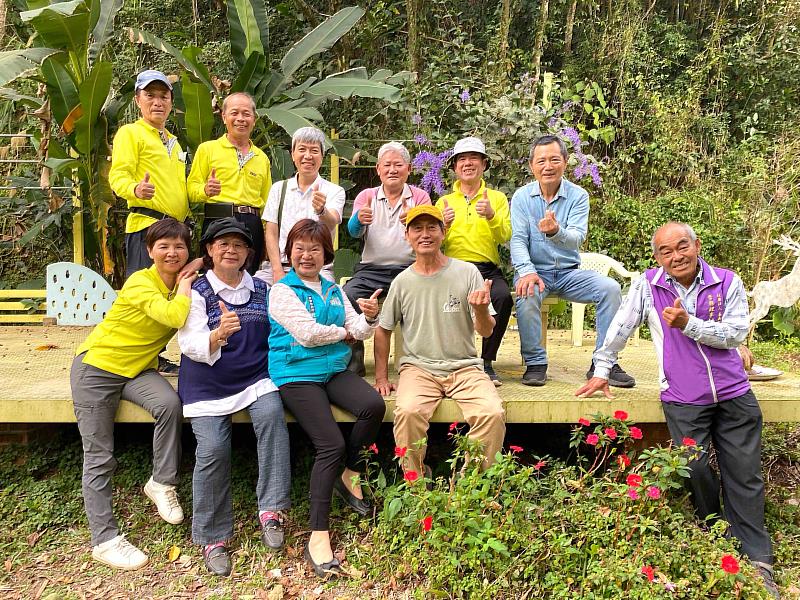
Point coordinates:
[(212, 503), (733, 428), (95, 396)]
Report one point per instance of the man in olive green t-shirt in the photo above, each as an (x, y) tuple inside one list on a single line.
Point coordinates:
[(441, 303)]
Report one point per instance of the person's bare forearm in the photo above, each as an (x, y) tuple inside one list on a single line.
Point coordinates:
[(381, 345), (484, 323)]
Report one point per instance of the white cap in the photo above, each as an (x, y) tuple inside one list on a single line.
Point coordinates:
[(468, 144)]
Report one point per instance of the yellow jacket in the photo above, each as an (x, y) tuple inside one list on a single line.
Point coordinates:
[(471, 237), (137, 150), (144, 317), (248, 185)]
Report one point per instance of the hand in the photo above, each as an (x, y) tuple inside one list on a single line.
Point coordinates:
[(593, 385), (228, 323), (365, 213), (549, 225), (185, 281), (484, 208), (318, 200), (213, 185), (192, 267), (369, 306), (383, 386), (449, 214), (481, 298), (349, 339), (526, 285), (675, 315), (144, 189)]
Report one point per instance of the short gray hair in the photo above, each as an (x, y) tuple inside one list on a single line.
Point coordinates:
[(233, 95), (546, 140), (308, 135), (686, 228), (394, 147)]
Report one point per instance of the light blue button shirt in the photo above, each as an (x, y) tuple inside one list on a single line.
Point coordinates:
[(533, 251)]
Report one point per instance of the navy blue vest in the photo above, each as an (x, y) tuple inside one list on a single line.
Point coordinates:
[(244, 360)]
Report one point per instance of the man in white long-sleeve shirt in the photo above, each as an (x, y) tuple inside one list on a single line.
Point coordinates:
[(698, 315)]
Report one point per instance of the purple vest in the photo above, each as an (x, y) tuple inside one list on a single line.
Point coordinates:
[(696, 373)]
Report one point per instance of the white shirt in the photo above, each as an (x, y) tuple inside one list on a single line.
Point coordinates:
[(194, 342), (297, 205)]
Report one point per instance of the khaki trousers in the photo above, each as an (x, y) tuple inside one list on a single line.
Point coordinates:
[(419, 392)]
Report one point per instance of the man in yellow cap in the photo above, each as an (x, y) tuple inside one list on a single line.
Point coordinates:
[(478, 220), (148, 168), (441, 303), (231, 175)]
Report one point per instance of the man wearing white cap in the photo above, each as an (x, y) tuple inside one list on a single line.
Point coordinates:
[(148, 167), (478, 221)]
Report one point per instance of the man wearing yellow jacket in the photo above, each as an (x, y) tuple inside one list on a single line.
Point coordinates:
[(148, 168), (478, 221), (231, 175)]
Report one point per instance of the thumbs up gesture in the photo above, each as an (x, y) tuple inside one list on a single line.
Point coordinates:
[(144, 189), (318, 200), (228, 324), (549, 225), (483, 207), (449, 214), (675, 315), (213, 185), (369, 306), (482, 297), (365, 212)]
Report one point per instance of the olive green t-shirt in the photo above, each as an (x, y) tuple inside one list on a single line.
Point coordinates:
[(438, 331)]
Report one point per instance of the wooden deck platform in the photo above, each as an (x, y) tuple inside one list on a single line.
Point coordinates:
[(35, 363)]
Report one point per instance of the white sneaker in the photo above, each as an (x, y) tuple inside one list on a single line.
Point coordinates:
[(120, 554), (166, 500)]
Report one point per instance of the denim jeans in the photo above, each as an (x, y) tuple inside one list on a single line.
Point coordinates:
[(212, 505), (573, 285), (95, 398)]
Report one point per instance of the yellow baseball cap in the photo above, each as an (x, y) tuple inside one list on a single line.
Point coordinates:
[(424, 209)]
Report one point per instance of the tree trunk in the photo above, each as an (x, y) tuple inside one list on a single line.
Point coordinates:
[(573, 6), (539, 44), (413, 10), (502, 66)]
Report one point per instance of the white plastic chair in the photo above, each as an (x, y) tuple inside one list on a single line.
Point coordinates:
[(600, 263)]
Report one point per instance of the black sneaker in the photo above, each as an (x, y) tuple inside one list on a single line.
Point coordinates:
[(167, 367), (489, 370), (535, 375), (768, 580), (616, 378)]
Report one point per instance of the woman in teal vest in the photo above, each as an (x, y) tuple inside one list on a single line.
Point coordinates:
[(312, 324)]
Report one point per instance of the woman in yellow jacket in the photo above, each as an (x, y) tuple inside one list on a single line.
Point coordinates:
[(119, 360)]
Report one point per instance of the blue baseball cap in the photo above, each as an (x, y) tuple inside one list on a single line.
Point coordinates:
[(145, 78)]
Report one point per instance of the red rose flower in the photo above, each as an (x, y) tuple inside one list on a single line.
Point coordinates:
[(636, 433), (621, 415), (584, 422), (592, 439), (730, 564), (427, 523), (648, 571), (410, 476), (400, 451), (610, 432), (624, 461), (634, 479), (373, 448), (515, 448), (687, 441)]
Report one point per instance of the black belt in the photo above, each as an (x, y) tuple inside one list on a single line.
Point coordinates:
[(149, 212), (220, 210)]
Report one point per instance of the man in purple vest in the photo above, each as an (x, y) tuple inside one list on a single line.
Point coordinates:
[(698, 316)]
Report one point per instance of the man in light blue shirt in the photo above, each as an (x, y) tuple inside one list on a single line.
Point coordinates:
[(549, 220)]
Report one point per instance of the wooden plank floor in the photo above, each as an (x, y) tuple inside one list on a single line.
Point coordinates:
[(35, 363)]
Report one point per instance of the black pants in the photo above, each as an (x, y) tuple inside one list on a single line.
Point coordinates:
[(367, 278), (255, 228), (502, 303), (310, 404), (733, 428), (136, 256)]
